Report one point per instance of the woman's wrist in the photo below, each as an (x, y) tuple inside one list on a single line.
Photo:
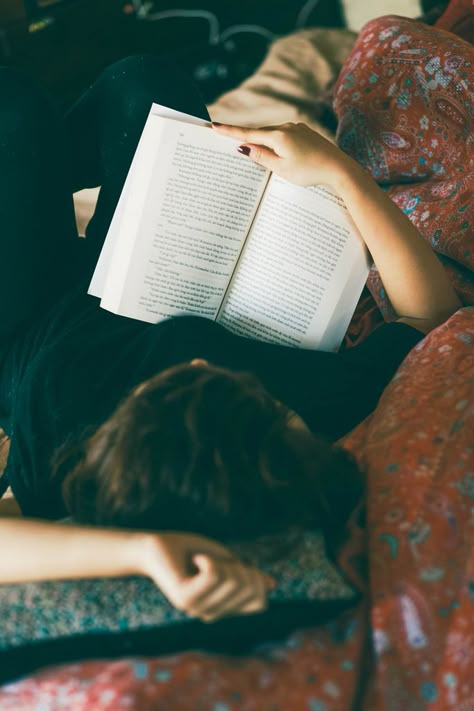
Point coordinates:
[(39, 550), (139, 551), (338, 170), (348, 173)]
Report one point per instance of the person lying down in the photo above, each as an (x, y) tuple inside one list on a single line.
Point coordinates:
[(164, 441)]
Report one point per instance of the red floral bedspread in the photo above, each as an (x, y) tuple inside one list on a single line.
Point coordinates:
[(409, 645), (404, 103)]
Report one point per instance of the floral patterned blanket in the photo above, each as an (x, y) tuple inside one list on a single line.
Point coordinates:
[(404, 101), (408, 644)]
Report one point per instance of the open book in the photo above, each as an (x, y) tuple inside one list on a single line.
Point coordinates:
[(201, 229)]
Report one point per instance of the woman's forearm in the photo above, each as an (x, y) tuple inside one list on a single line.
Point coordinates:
[(38, 550), (197, 575), (413, 277)]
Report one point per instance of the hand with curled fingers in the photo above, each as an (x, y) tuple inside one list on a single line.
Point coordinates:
[(202, 578), (293, 151)]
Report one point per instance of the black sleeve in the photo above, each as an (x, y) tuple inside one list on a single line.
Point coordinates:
[(385, 348), (332, 392), (373, 363)]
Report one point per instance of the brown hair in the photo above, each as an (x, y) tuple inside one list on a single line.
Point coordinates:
[(205, 449)]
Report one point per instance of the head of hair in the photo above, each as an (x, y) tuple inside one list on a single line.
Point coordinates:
[(204, 449)]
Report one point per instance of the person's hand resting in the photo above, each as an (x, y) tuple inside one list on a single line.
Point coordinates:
[(202, 578), (293, 151)]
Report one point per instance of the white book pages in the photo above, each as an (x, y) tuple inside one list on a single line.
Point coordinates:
[(301, 272), (191, 202), (97, 284)]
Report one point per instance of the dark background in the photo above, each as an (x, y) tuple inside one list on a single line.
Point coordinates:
[(66, 43)]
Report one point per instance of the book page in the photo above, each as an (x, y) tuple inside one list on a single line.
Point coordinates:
[(96, 286), (191, 202), (302, 270)]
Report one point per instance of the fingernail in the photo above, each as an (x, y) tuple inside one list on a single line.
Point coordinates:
[(245, 150)]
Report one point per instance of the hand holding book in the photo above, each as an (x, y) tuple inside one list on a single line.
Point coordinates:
[(293, 151), (202, 230), (424, 296)]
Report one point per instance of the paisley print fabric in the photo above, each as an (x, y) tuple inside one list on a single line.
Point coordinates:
[(418, 450), (405, 104)]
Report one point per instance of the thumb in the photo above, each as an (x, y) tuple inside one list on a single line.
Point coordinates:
[(202, 562), (259, 154)]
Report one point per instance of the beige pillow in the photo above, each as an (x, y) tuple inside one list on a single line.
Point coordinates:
[(358, 12), (297, 70)]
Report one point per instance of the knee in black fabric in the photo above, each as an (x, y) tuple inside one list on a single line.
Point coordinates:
[(134, 83), (131, 83), (134, 67)]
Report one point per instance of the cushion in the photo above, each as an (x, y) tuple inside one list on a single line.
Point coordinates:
[(357, 13), (296, 72), (404, 102), (63, 611)]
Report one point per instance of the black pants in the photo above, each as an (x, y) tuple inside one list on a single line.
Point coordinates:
[(44, 158)]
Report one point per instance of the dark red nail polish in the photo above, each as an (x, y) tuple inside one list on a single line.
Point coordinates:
[(245, 150)]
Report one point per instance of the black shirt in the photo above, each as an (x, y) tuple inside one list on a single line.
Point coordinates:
[(75, 365)]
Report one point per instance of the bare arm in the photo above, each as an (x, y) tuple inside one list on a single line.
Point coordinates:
[(196, 574), (39, 550), (414, 279)]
